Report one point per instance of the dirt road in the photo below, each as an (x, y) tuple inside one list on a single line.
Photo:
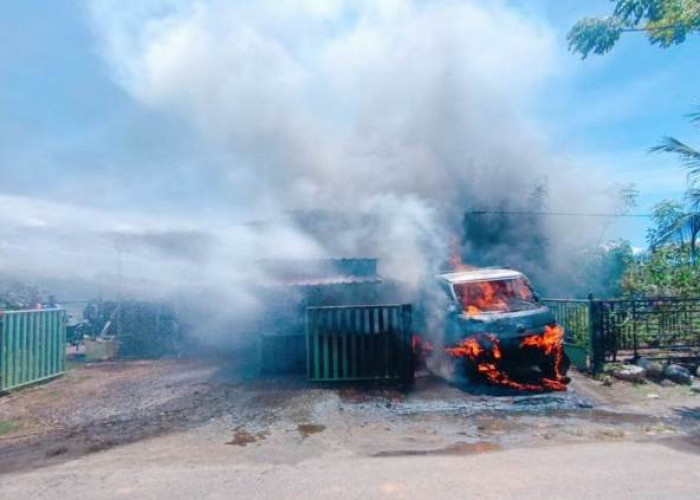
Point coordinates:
[(610, 470), (183, 429)]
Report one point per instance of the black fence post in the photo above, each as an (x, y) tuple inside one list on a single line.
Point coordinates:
[(596, 335), (635, 347), (409, 376)]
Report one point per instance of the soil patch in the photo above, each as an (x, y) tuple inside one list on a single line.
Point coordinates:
[(242, 437), (307, 430), (455, 449)]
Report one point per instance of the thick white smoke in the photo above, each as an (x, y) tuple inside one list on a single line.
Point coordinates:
[(407, 111)]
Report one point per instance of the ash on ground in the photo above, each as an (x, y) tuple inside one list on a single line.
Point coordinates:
[(215, 409)]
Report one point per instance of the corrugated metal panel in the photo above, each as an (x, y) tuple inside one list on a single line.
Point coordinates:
[(346, 343), (32, 347)]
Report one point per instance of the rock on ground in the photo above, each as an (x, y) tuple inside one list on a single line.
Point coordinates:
[(654, 369), (678, 374), (630, 373)]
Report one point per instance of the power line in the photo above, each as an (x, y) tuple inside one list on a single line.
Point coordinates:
[(556, 214)]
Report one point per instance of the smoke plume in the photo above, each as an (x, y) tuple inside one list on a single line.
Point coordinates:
[(393, 116)]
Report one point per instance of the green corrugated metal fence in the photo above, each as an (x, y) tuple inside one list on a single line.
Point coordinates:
[(32, 346), (348, 343)]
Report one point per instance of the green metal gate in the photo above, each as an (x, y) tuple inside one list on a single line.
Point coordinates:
[(352, 343), (32, 346)]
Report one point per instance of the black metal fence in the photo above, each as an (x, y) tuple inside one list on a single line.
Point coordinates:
[(575, 317), (661, 328), (667, 328)]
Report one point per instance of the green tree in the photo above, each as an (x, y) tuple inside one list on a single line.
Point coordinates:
[(666, 22), (664, 216), (688, 155), (674, 221), (665, 272), (608, 266)]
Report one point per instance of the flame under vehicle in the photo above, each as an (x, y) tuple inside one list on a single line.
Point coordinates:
[(497, 329)]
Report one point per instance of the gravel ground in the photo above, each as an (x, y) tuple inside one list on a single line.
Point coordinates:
[(210, 414)]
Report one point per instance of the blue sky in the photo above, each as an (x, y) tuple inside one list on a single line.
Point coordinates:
[(69, 131), (610, 109)]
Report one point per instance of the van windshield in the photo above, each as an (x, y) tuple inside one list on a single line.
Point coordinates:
[(498, 296)]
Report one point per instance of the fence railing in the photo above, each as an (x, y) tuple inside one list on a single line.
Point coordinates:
[(32, 346), (660, 328), (574, 317), (348, 343)]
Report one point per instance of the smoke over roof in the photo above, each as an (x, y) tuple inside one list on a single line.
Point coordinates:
[(395, 116)]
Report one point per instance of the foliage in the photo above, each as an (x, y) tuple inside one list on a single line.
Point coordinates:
[(604, 269), (665, 216), (7, 426), (689, 156), (665, 272), (670, 267), (675, 222), (627, 198), (666, 22)]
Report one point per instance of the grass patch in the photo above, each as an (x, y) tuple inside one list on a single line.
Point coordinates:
[(7, 426)]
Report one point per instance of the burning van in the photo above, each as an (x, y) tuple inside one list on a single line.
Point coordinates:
[(497, 329)]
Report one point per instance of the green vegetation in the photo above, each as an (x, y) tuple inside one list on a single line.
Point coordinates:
[(7, 426), (670, 267), (676, 221), (665, 22), (665, 272)]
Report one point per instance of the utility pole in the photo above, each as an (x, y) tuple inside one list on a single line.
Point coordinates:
[(119, 245)]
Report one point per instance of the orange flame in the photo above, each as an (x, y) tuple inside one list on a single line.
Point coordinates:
[(472, 310), (455, 258), (485, 351), (482, 296), (468, 348), (491, 296), (551, 342)]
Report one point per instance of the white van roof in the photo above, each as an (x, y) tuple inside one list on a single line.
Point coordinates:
[(480, 274)]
